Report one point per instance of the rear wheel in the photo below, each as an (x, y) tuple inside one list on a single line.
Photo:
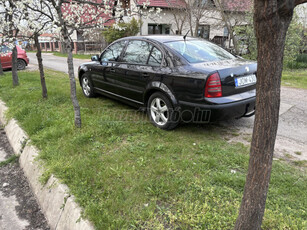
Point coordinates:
[(87, 86), (161, 112), (21, 64)]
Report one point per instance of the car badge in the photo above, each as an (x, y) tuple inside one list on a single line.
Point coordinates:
[(247, 69)]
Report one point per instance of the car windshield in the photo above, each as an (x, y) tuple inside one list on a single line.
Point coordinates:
[(195, 51)]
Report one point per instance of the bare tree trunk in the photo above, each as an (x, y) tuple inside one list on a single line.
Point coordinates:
[(196, 27), (40, 67), (190, 22), (234, 39), (14, 66), (1, 69), (73, 90), (68, 48), (228, 25), (272, 19)]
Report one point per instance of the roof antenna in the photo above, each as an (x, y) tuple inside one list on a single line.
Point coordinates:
[(184, 37)]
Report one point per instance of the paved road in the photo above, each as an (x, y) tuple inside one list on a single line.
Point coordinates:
[(56, 63), (292, 131), (291, 140), (18, 207)]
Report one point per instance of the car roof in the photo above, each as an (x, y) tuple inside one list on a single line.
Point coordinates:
[(162, 38)]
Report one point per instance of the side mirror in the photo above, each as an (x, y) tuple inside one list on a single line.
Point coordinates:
[(95, 58)]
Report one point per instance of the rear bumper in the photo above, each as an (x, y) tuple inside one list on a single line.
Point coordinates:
[(205, 113)]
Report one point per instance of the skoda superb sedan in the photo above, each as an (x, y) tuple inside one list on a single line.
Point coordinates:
[(176, 78)]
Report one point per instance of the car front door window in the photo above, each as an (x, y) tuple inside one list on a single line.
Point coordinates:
[(113, 52)]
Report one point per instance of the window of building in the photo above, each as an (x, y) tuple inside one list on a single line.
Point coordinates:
[(204, 31), (226, 32), (125, 4), (204, 3), (158, 29)]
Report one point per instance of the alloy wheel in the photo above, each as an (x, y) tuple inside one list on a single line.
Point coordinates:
[(159, 111), (86, 87)]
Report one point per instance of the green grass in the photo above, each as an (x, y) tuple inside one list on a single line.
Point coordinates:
[(130, 175), (78, 56), (58, 54), (295, 78), (11, 159)]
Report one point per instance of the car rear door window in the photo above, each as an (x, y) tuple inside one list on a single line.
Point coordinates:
[(113, 52), (137, 52), (155, 58)]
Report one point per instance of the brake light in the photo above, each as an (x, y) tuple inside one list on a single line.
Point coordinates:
[(213, 86)]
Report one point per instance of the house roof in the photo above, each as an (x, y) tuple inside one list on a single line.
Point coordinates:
[(229, 5), (162, 3), (47, 35), (237, 5)]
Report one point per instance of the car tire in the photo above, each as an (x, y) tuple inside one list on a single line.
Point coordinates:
[(161, 112), (87, 86), (21, 64)]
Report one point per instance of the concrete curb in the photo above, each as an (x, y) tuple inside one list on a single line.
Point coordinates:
[(3, 110), (16, 136), (58, 206)]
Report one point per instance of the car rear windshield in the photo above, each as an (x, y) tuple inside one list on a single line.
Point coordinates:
[(195, 51)]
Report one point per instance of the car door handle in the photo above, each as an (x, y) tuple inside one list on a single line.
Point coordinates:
[(112, 70), (145, 75)]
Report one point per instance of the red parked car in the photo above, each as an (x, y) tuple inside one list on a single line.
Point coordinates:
[(6, 57)]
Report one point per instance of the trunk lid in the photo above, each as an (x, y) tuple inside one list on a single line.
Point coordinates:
[(237, 75)]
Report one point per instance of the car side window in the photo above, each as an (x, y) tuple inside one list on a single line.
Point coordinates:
[(113, 52), (137, 52), (5, 49), (155, 58)]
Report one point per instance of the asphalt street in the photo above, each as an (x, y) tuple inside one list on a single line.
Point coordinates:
[(18, 207), (56, 63), (291, 140)]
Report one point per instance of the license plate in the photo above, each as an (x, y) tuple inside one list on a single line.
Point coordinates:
[(245, 80)]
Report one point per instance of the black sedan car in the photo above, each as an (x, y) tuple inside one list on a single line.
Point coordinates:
[(176, 78)]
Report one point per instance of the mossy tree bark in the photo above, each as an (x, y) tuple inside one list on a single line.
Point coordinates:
[(14, 66), (40, 66), (1, 69)]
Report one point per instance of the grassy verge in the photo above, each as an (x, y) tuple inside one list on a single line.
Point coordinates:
[(58, 54), (130, 175), (295, 78), (78, 56)]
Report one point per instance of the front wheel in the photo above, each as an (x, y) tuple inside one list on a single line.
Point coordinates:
[(161, 112), (21, 64), (87, 86)]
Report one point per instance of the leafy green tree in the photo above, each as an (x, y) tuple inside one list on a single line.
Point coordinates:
[(293, 43), (121, 29)]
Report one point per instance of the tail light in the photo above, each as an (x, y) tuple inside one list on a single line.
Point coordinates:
[(213, 86)]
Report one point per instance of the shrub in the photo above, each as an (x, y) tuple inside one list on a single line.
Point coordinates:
[(121, 29)]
